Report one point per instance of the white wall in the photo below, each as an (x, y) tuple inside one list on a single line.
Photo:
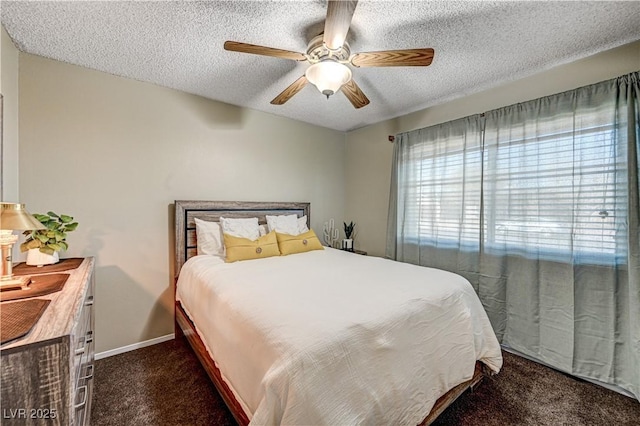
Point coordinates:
[(115, 153), (369, 154), (9, 90)]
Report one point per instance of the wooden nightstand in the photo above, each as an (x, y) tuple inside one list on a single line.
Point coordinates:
[(362, 252)]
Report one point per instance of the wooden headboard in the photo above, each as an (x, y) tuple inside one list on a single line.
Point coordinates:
[(187, 211)]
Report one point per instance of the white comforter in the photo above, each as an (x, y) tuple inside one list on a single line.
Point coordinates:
[(329, 337)]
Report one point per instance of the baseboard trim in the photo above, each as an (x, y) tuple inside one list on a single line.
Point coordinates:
[(135, 346)]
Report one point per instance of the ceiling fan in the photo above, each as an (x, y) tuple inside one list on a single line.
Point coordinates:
[(329, 53)]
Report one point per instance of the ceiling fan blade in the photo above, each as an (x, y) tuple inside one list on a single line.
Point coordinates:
[(336, 26), (394, 58), (236, 46), (354, 94), (290, 91)]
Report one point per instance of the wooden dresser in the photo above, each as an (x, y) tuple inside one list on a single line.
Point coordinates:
[(47, 375)]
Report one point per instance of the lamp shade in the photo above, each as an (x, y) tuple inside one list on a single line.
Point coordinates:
[(14, 217), (328, 76)]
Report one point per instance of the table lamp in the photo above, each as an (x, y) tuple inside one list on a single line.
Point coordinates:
[(13, 217)]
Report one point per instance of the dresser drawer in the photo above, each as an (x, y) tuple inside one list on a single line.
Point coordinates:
[(83, 395)]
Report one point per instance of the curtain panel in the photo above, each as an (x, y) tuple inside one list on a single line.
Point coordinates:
[(536, 204), (429, 188)]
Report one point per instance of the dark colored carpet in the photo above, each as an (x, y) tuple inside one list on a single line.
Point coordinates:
[(164, 384)]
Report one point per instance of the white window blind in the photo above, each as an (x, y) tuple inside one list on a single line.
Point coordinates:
[(443, 190), (548, 187)]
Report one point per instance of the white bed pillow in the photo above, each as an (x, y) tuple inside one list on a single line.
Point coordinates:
[(263, 230), (302, 225), (209, 236), (287, 224), (244, 228)]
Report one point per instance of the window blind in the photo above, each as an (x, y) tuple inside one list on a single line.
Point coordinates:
[(549, 187), (443, 189)]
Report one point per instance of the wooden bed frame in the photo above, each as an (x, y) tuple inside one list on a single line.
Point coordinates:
[(186, 247)]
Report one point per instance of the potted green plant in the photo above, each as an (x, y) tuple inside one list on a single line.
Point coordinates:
[(42, 245), (347, 243)]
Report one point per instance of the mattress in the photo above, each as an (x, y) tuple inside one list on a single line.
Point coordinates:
[(331, 337)]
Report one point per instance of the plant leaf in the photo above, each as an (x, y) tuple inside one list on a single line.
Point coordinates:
[(53, 238), (43, 218), (46, 250), (27, 245)]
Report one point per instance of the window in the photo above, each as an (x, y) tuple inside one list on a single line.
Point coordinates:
[(554, 192), (546, 186), (550, 183), (443, 188)]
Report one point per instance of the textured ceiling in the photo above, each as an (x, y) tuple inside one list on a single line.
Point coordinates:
[(478, 44)]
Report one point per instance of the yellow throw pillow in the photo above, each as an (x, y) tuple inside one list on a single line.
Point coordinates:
[(245, 249), (290, 244)]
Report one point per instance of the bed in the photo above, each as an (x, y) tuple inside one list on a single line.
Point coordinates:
[(278, 350)]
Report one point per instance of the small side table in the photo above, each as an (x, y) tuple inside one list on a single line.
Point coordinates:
[(362, 252)]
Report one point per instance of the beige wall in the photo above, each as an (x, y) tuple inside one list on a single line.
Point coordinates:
[(9, 90), (368, 152), (115, 153)]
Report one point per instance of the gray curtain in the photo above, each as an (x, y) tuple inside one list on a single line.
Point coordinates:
[(537, 205), (440, 179)]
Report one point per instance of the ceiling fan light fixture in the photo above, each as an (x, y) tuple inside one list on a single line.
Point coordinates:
[(328, 76)]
